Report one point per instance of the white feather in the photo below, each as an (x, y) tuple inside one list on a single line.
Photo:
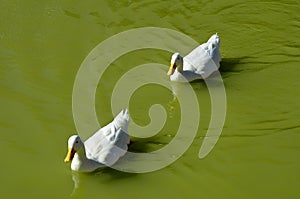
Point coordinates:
[(201, 62), (105, 147)]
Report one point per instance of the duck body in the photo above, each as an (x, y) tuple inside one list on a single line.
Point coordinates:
[(198, 64), (104, 148)]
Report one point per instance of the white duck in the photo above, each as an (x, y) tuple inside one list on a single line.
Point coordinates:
[(198, 64), (104, 148)]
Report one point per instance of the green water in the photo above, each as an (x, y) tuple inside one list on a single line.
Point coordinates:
[(43, 43)]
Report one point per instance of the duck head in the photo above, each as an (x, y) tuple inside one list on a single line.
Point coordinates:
[(74, 144), (176, 62)]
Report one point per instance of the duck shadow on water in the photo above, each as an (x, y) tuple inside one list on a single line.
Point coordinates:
[(229, 66)]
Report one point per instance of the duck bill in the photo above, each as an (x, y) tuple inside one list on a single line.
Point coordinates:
[(70, 155), (171, 69)]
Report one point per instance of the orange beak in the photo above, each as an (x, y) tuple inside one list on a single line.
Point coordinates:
[(171, 69), (70, 155)]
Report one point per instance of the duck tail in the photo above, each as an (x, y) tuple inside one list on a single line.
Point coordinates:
[(122, 120), (214, 40)]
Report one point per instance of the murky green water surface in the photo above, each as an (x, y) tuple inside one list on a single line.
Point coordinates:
[(43, 43)]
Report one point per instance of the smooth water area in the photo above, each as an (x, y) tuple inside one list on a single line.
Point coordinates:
[(43, 43)]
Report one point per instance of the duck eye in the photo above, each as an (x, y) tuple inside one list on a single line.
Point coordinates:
[(76, 142)]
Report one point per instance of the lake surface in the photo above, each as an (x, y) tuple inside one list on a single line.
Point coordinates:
[(42, 46)]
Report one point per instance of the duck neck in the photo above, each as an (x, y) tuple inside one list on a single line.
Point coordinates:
[(179, 68), (81, 153), (83, 164)]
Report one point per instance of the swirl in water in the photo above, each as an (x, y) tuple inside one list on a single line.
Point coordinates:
[(109, 50)]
